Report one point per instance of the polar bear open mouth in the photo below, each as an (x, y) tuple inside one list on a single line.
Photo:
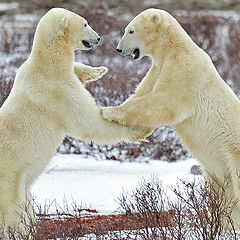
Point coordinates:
[(136, 53), (86, 43)]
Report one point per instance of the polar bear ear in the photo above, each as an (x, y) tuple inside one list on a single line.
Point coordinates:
[(63, 23), (155, 18), (64, 27)]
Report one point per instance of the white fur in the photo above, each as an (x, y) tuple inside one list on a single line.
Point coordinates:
[(183, 89), (48, 101)]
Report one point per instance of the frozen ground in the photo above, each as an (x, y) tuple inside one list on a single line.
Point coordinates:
[(8, 6), (98, 184)]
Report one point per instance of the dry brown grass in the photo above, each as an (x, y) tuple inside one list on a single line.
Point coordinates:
[(191, 210), (198, 210)]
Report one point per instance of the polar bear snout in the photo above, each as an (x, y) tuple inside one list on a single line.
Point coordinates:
[(125, 52), (135, 52), (96, 41), (128, 46), (91, 42)]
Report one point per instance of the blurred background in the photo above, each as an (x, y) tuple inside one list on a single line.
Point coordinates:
[(213, 24)]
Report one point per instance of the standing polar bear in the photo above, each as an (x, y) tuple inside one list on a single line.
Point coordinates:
[(182, 89), (47, 101)]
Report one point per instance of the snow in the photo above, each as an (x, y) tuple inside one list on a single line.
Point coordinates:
[(98, 184), (149, 3), (228, 14), (8, 6)]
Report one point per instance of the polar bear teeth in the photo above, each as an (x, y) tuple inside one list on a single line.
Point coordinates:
[(136, 53)]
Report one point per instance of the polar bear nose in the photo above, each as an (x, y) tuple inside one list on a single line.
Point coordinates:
[(98, 39), (119, 50)]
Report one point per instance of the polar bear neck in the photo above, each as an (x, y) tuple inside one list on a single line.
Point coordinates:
[(175, 41)]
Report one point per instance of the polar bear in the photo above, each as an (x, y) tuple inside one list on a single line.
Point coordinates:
[(182, 89), (47, 102)]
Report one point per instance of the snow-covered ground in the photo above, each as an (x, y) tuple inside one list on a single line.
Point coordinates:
[(5, 6), (98, 184)]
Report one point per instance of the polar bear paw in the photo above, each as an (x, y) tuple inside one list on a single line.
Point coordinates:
[(113, 114), (97, 73), (140, 134)]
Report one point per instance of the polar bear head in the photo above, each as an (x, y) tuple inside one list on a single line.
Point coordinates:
[(144, 32), (63, 27)]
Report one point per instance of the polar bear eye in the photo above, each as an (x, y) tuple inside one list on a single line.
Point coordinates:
[(131, 31), (85, 25)]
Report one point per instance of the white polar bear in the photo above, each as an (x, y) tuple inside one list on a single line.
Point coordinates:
[(48, 101), (183, 89)]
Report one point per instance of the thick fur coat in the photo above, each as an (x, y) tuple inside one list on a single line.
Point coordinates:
[(48, 101), (182, 89)]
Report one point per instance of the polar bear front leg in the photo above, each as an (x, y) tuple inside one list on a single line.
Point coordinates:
[(134, 112), (87, 73), (147, 84), (152, 110)]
